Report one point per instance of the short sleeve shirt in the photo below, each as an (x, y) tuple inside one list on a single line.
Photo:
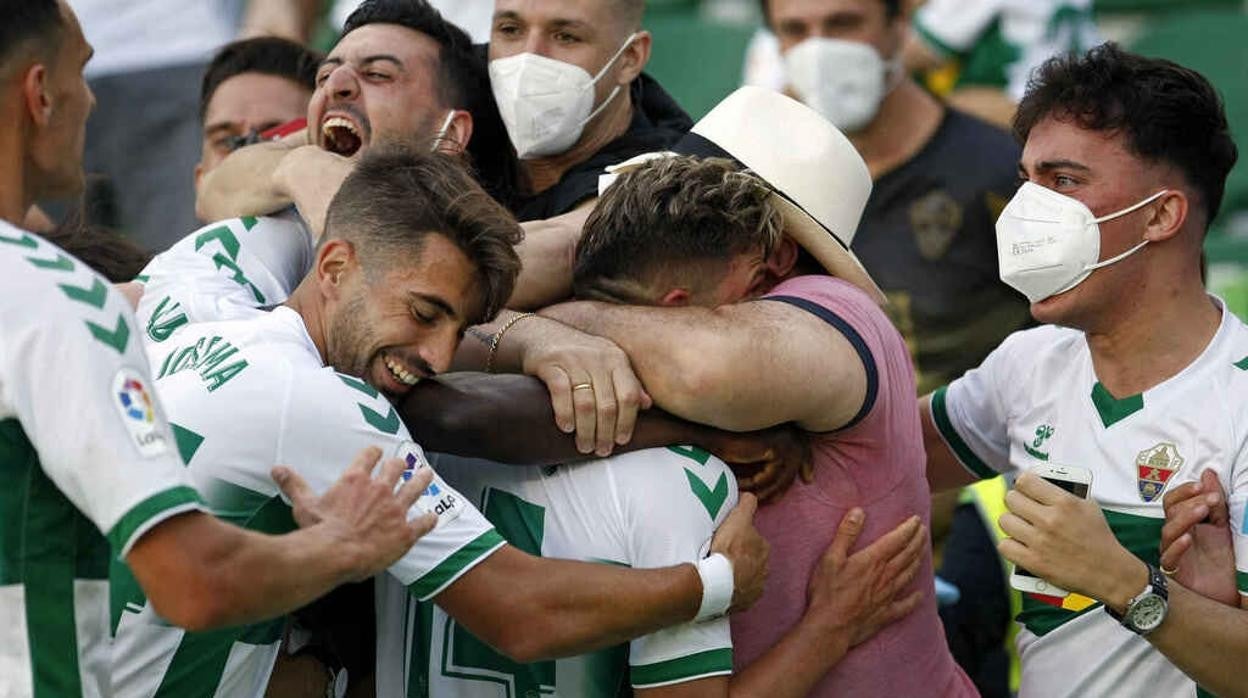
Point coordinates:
[(1036, 399), (646, 509), (87, 464), (244, 395)]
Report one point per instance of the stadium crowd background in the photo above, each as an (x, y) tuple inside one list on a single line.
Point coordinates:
[(144, 189)]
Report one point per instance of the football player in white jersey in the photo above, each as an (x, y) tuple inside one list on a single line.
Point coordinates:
[(1139, 379), (390, 292), (88, 468)]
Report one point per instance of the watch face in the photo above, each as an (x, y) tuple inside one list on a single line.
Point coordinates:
[(1148, 613)]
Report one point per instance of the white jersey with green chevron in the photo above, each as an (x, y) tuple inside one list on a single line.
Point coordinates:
[(224, 271), (87, 465), (1000, 42), (244, 395), (646, 509), (1036, 399)]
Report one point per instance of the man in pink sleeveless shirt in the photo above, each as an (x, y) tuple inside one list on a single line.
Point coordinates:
[(764, 317)]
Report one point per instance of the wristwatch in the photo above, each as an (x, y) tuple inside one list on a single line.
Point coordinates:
[(1147, 610)]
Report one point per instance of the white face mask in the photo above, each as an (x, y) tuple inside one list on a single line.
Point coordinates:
[(1048, 243), (546, 103), (845, 81)]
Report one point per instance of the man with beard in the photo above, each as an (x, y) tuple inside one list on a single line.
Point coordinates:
[(390, 291)]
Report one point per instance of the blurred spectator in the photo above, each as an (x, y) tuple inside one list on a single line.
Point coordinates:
[(940, 179), (991, 47), (568, 82), (144, 134), (251, 86)]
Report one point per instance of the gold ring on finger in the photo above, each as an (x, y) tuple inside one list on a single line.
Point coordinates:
[(583, 386)]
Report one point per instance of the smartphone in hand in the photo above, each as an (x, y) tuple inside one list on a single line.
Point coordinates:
[(1073, 479)]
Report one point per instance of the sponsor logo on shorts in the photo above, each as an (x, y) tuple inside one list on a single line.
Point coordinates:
[(133, 400)]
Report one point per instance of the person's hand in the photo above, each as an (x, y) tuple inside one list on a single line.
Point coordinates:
[(362, 515), (738, 540), (853, 596), (766, 462), (1196, 539), (592, 386), (1066, 541)]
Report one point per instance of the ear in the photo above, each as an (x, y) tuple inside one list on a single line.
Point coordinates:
[(335, 262), (634, 58), (1168, 217), (35, 91), (782, 258), (675, 298), (458, 133)]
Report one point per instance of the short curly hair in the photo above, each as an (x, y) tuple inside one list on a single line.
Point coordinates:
[(666, 214), (1165, 112)]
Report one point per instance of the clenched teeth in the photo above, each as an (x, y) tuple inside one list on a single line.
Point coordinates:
[(397, 370)]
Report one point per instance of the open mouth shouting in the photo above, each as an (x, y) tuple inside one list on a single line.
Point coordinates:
[(343, 133)]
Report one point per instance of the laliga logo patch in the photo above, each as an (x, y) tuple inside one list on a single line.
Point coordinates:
[(134, 403), (437, 497)]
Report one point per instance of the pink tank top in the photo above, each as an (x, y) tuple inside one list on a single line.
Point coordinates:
[(877, 462)]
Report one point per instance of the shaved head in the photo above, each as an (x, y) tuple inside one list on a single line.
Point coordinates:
[(629, 12)]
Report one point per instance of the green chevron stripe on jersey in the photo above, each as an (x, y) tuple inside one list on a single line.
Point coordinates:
[(708, 663), (45, 544), (94, 296), (1139, 534), (967, 457)]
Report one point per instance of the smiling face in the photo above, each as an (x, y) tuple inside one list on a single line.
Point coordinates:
[(378, 85), (397, 323)]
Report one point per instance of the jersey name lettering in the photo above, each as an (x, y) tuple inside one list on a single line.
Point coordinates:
[(207, 356)]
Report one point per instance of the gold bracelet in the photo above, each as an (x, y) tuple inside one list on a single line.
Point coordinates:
[(498, 338)]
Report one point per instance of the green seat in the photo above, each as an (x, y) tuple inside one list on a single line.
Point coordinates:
[(696, 60)]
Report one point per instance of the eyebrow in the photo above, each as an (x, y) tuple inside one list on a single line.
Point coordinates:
[(554, 24), (1050, 165), (211, 129), (435, 301)]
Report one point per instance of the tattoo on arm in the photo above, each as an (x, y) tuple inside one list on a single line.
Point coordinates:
[(481, 335)]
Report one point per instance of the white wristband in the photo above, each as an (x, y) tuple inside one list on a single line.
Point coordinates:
[(717, 586)]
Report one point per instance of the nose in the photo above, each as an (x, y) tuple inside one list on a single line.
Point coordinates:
[(342, 84), (439, 352)]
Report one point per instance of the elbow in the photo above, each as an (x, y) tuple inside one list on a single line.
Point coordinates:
[(193, 607), (523, 646)]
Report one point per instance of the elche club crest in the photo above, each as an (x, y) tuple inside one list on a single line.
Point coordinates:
[(1154, 468)]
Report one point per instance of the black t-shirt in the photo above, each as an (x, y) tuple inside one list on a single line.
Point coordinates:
[(658, 122), (928, 237)]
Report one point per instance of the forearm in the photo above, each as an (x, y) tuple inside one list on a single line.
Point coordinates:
[(547, 257), (681, 355), (1206, 640), (509, 418), (793, 666), (242, 185), (201, 573), (311, 177), (559, 608)]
